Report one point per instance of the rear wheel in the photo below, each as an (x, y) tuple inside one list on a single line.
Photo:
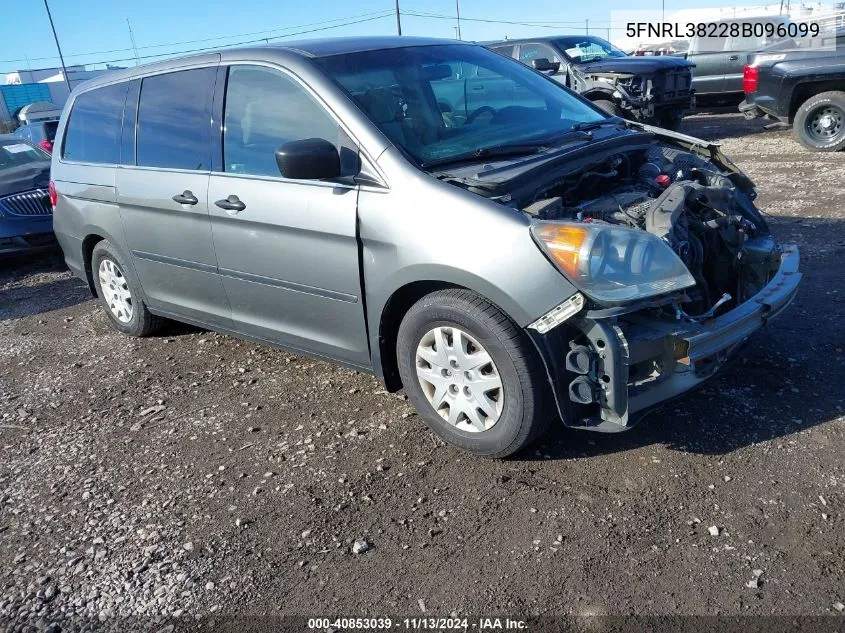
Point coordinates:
[(820, 122), (119, 292), (473, 376)]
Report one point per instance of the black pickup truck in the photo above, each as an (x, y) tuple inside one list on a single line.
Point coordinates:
[(801, 86), (653, 90)]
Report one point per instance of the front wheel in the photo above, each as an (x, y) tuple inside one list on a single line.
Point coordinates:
[(473, 376), (820, 122)]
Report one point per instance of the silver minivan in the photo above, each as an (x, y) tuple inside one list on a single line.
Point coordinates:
[(450, 220)]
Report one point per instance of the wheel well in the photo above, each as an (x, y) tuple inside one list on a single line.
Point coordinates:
[(598, 95), (88, 245), (394, 311), (803, 92)]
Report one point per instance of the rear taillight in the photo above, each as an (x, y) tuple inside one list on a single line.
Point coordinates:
[(46, 145), (53, 197), (750, 74)]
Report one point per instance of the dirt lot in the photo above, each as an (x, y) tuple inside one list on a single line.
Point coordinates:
[(193, 473)]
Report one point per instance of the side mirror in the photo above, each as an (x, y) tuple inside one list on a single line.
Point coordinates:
[(544, 65), (308, 159)]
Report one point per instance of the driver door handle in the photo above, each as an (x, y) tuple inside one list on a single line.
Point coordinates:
[(733, 58), (232, 203), (186, 197)]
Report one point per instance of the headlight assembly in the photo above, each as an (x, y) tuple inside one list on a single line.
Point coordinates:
[(612, 264)]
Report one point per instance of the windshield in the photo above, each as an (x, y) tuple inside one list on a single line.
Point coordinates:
[(14, 153), (586, 48), (439, 103)]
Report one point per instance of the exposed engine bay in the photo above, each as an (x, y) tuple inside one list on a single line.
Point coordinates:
[(687, 202), (705, 213)]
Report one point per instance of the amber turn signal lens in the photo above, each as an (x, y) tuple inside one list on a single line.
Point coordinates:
[(563, 243)]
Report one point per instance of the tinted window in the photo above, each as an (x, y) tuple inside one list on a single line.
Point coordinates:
[(265, 109), (50, 129), (93, 129), (174, 120), (507, 51)]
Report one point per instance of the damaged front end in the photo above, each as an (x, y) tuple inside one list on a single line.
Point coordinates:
[(674, 264), (660, 97), (611, 362)]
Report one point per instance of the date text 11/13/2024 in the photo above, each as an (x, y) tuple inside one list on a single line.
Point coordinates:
[(418, 624)]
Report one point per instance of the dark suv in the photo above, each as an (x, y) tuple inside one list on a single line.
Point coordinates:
[(653, 90)]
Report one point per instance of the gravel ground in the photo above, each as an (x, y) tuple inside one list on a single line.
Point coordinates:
[(194, 474)]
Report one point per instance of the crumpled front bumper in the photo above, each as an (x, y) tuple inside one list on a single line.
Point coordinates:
[(685, 354)]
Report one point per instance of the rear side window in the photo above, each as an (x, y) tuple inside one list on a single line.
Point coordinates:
[(507, 51), (93, 129), (174, 120), (50, 130)]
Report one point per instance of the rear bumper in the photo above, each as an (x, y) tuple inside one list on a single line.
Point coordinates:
[(750, 110), (645, 361)]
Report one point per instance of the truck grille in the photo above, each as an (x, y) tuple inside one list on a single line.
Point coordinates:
[(34, 202), (673, 84)]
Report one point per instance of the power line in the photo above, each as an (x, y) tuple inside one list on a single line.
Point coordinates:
[(207, 39), (241, 43), (441, 16)]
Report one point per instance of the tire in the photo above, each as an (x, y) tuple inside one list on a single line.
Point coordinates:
[(610, 107), (521, 413), (120, 293), (819, 123), (670, 120)]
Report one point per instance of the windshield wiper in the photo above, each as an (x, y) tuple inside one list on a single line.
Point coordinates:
[(511, 149), (585, 126)]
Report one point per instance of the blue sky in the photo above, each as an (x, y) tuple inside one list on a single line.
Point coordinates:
[(99, 27)]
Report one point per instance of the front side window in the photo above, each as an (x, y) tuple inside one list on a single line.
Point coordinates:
[(433, 113), (587, 48), (174, 120), (93, 129), (530, 52), (265, 109)]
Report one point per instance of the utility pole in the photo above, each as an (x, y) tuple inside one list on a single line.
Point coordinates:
[(586, 24), (398, 20), (458, 13), (59, 48), (132, 39)]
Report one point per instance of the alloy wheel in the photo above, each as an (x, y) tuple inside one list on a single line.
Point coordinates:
[(459, 379)]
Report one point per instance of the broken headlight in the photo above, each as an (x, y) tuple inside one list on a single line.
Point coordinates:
[(612, 264)]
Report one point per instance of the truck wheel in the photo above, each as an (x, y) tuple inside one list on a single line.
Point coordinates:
[(609, 107), (820, 122), (120, 294), (473, 375), (670, 120)]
